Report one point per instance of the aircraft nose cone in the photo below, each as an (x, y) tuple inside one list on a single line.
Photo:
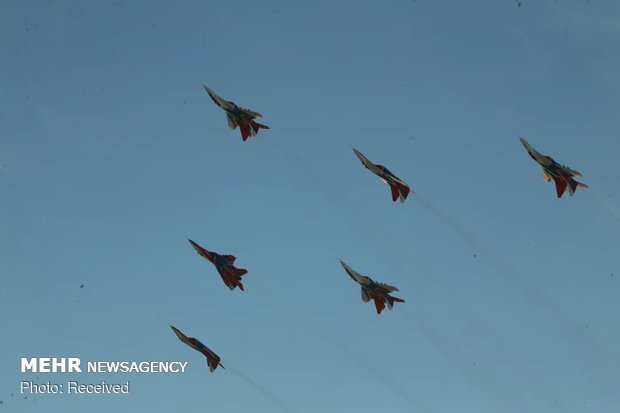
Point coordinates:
[(525, 143), (359, 155)]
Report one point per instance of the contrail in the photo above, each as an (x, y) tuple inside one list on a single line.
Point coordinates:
[(262, 390), (350, 211), (332, 196), (612, 210), (589, 350), (322, 185), (502, 269), (301, 318), (458, 359), (509, 357), (337, 200)]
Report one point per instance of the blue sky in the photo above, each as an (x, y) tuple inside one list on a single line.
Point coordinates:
[(112, 155)]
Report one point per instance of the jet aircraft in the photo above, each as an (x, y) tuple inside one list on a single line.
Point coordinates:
[(561, 175), (213, 360), (224, 264), (372, 290), (236, 116), (397, 186)]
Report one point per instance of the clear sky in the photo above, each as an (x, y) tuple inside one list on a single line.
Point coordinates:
[(112, 155)]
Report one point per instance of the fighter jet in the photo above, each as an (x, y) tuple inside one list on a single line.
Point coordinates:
[(371, 289), (244, 118), (561, 175), (230, 274), (213, 360), (398, 187)]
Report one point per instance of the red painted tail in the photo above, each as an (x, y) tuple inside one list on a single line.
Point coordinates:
[(259, 126), (239, 273), (245, 131), (392, 300), (250, 128)]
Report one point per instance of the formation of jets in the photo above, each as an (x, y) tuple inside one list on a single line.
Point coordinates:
[(380, 293)]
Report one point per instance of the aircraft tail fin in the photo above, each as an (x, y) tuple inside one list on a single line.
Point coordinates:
[(256, 126), (379, 304), (245, 131), (404, 192), (399, 191), (213, 361), (572, 186), (239, 272), (250, 128), (391, 300), (560, 186), (395, 192)]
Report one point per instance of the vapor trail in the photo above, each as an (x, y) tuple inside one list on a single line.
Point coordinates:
[(461, 361), (584, 345), (299, 317), (322, 185), (612, 210), (262, 390), (530, 291), (349, 211)]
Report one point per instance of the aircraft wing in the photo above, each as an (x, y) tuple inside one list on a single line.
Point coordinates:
[(397, 180), (201, 251), (251, 113), (387, 287), (218, 100), (570, 171), (546, 176), (232, 124)]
